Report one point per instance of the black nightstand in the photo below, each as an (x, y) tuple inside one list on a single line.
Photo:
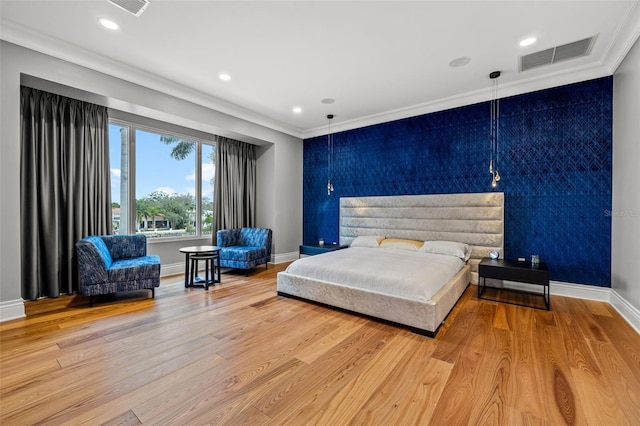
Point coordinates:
[(313, 249), (514, 270)]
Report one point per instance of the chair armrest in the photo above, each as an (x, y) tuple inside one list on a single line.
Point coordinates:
[(91, 261)]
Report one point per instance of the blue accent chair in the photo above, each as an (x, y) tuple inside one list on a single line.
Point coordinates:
[(115, 263), (244, 248)]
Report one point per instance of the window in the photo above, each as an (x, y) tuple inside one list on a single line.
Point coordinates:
[(208, 178), (173, 184)]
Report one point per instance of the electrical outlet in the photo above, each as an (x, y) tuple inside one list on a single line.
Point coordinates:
[(521, 259)]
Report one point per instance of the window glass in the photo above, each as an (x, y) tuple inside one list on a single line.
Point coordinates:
[(208, 178), (165, 185), (119, 164)]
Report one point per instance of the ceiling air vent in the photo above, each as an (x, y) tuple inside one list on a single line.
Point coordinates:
[(135, 7), (577, 49)]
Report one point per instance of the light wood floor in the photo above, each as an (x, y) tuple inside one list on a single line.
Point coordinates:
[(239, 354)]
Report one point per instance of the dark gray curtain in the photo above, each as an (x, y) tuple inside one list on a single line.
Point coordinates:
[(64, 186), (235, 185)]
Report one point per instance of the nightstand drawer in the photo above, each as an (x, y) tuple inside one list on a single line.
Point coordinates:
[(524, 272), (313, 249)]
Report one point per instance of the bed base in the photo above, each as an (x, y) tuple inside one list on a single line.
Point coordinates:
[(415, 330), (421, 317)]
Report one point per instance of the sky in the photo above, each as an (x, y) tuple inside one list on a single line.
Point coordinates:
[(155, 169)]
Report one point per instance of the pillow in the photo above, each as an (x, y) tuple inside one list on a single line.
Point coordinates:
[(401, 244), (371, 241), (450, 248)]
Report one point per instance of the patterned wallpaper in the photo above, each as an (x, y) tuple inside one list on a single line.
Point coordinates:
[(554, 158)]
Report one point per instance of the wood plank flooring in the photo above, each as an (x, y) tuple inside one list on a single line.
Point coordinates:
[(240, 354)]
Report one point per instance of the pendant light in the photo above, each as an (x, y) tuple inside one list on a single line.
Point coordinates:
[(495, 130), (329, 157)]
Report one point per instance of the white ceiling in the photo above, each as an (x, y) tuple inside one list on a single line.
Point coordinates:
[(379, 60)]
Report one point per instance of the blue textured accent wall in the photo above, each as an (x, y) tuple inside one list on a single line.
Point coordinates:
[(555, 163)]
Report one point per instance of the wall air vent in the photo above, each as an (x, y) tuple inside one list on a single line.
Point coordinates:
[(577, 49), (135, 7)]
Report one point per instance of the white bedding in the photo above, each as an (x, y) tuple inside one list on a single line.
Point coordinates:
[(400, 273)]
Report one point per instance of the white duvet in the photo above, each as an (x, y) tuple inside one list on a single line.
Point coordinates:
[(403, 273)]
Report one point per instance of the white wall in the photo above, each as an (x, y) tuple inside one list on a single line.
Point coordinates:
[(625, 236), (280, 161)]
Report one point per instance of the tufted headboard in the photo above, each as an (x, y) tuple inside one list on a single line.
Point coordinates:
[(474, 219)]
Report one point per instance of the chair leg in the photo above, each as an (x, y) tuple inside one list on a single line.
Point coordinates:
[(215, 264), (246, 272), (153, 292), (194, 268), (91, 301), (206, 274)]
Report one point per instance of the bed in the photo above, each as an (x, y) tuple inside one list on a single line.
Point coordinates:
[(335, 279)]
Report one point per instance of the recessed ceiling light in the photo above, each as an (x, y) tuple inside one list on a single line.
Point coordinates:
[(460, 62), (328, 100), (108, 23), (297, 110), (528, 41), (224, 77)]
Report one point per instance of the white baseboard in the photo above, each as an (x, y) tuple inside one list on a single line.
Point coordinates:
[(12, 309), (178, 268), (284, 257), (580, 291), (558, 288), (626, 309), (172, 269)]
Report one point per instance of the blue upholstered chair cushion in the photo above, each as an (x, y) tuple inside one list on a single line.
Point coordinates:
[(126, 246), (228, 237), (136, 268), (244, 253)]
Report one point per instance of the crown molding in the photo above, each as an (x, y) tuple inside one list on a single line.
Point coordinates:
[(625, 36), (24, 37), (546, 81)]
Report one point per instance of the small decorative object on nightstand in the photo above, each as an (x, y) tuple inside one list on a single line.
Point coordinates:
[(494, 255), (514, 270)]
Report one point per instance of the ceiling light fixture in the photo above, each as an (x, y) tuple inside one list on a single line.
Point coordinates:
[(460, 62), (329, 157), (528, 41), (224, 77), (495, 130), (108, 24)]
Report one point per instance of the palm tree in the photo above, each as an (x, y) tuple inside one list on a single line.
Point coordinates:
[(142, 211), (182, 147)]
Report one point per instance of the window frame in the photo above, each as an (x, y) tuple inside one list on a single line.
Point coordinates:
[(132, 127)]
